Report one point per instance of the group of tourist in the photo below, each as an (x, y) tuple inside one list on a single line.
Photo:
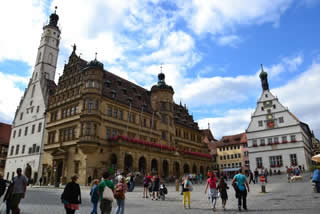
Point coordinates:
[(217, 189)]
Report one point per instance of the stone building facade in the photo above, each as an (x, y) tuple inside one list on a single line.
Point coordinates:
[(26, 141), (98, 121), (276, 137)]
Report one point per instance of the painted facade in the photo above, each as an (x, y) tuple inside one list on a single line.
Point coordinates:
[(5, 131), (276, 137)]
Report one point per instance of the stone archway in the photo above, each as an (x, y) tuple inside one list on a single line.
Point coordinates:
[(113, 161), (154, 166), (142, 165), (194, 169), (128, 163), (201, 170), (165, 168), (176, 169), (186, 169)]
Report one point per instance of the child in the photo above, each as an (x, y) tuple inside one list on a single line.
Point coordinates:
[(222, 187), (94, 193)]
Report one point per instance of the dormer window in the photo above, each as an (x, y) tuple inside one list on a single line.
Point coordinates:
[(134, 89), (266, 95), (124, 90), (119, 82), (113, 94)]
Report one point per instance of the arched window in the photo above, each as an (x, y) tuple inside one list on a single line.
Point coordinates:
[(33, 89)]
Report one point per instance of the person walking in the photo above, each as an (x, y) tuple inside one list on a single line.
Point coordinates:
[(131, 183), (212, 194), (71, 196), (3, 185), (222, 187), (201, 178), (40, 181), (7, 198), (186, 188), (146, 183), (256, 175), (155, 187), (241, 182), (18, 192), (94, 196), (251, 178), (266, 175), (316, 179), (119, 194), (105, 204)]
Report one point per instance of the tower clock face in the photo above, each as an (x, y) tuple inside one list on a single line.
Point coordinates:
[(269, 117)]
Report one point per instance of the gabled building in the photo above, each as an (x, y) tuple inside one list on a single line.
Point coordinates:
[(5, 131), (26, 142), (276, 137), (231, 156)]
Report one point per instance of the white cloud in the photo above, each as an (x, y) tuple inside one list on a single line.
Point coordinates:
[(21, 36), (230, 40), (10, 95), (222, 16), (234, 121), (301, 96)]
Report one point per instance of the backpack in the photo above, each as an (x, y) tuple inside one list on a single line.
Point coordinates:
[(107, 194), (119, 193), (94, 194)]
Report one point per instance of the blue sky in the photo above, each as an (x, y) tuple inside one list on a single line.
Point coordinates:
[(211, 51)]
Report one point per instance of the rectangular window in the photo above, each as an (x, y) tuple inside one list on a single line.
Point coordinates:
[(220, 157), (72, 111), (114, 132), (30, 150), (275, 161), (109, 111), (164, 135), (21, 115), (276, 139), (163, 118), (108, 133), (19, 133), (259, 162), (33, 129), (293, 160), (76, 167), (115, 113), (12, 148), (284, 138), (38, 108), (144, 122), (232, 156), (269, 140), (34, 147), (260, 123), (39, 127), (38, 149), (76, 110), (133, 118), (23, 149), (17, 149), (293, 138), (14, 133), (262, 142), (25, 131), (281, 120), (120, 114)]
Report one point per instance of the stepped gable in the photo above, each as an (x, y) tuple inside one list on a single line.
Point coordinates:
[(182, 117), (123, 91), (5, 133)]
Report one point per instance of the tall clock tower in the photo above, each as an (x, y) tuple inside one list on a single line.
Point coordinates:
[(28, 128), (276, 137)]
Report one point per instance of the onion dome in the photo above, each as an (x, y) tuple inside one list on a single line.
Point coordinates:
[(95, 64), (263, 74), (162, 84), (264, 79)]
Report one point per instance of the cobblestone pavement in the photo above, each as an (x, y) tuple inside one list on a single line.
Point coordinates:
[(282, 197)]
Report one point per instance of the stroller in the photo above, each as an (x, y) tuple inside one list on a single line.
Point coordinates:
[(163, 191)]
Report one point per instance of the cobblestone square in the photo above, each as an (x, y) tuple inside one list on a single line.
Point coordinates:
[(281, 197)]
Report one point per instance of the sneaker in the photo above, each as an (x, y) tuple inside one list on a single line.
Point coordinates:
[(214, 209), (147, 197), (239, 208), (246, 209), (152, 199)]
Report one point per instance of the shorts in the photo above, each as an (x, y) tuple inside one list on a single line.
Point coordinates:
[(15, 200), (105, 206), (145, 185)]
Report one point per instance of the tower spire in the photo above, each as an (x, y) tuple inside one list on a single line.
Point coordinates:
[(264, 79)]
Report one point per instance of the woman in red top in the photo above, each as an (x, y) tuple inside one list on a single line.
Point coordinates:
[(212, 194)]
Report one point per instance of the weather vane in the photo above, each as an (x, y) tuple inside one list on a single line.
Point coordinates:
[(161, 68), (96, 55), (55, 11)]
